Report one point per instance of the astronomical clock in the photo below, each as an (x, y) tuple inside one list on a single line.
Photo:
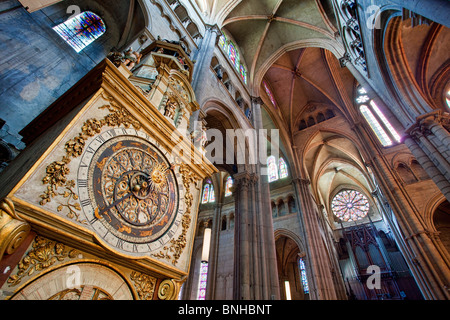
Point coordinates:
[(103, 202)]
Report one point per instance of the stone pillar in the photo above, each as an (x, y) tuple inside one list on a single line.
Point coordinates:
[(242, 238), (429, 141), (214, 251), (204, 55), (323, 287), (267, 256)]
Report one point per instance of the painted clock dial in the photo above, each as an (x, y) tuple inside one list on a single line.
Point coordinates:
[(128, 191)]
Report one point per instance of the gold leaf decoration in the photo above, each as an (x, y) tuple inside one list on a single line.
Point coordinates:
[(175, 249), (57, 171), (167, 290), (44, 253), (144, 284)]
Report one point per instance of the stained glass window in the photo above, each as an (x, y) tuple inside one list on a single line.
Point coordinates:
[(212, 196), (350, 205), (373, 114), (81, 30), (272, 169), (385, 121), (201, 293), (228, 186), (362, 99), (243, 73), (447, 98), (232, 53), (376, 127), (223, 42), (283, 168), (269, 93), (205, 197), (301, 265)]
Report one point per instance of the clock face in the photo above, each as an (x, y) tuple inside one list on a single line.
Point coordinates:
[(128, 191)]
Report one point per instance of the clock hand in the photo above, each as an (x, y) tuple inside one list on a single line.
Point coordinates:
[(115, 203)]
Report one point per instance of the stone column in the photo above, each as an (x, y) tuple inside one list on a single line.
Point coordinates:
[(263, 215), (204, 55), (323, 287), (438, 178), (242, 238), (214, 251)]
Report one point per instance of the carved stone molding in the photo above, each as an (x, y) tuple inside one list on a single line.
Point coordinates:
[(13, 230)]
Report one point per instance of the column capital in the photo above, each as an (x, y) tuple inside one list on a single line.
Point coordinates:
[(301, 181), (213, 28), (245, 179), (424, 123), (257, 100), (443, 120)]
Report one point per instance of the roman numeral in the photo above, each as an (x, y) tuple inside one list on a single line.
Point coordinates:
[(83, 165), (112, 133), (85, 202), (90, 150), (119, 243), (82, 183), (100, 139)]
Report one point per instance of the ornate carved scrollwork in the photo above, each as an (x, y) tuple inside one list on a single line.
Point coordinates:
[(44, 253), (168, 290), (57, 171), (145, 285), (176, 246), (13, 230)]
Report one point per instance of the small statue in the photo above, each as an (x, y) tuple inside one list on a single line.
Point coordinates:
[(115, 57), (171, 107), (131, 58)]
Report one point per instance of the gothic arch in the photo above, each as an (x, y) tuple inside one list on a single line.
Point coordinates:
[(437, 217), (282, 232), (430, 209), (223, 118)]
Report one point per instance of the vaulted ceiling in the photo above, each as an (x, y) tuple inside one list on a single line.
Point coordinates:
[(303, 79), (261, 27), (268, 34)]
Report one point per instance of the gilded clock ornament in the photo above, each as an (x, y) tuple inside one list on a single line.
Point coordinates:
[(57, 171), (129, 191)]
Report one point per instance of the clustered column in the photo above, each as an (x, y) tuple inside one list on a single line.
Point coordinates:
[(323, 287), (429, 142)]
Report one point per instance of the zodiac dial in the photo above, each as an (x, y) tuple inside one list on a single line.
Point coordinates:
[(129, 191)]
